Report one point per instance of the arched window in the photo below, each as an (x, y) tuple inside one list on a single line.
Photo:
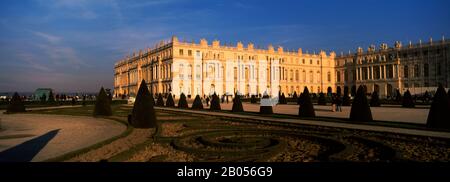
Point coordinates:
[(304, 76), (311, 77), (296, 75)]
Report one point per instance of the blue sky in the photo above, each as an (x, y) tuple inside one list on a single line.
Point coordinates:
[(72, 45)]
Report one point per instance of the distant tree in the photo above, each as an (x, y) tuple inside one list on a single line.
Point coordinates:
[(182, 103), (170, 102), (83, 101), (102, 104), (215, 103), (375, 100), (346, 99), (439, 114), (322, 100), (15, 104), (360, 110), (197, 104), (306, 108), (51, 98), (43, 98), (407, 100), (160, 101), (237, 104), (74, 100), (143, 114)]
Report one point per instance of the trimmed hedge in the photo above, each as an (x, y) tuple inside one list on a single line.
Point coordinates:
[(439, 114), (143, 114), (407, 100), (197, 104), (160, 101), (375, 100), (170, 102), (182, 103), (16, 104), (360, 110), (215, 103), (306, 108), (102, 104), (237, 104)]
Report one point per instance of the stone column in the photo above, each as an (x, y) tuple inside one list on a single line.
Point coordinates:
[(384, 73)]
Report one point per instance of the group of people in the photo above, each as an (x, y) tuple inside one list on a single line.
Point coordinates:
[(336, 103)]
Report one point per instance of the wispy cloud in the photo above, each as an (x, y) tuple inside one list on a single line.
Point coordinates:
[(31, 60), (48, 37)]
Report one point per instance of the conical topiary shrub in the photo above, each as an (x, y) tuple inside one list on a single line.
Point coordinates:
[(215, 103), (282, 99), (398, 96), (15, 105), (197, 104), (407, 100), (160, 101), (375, 100), (253, 99), (346, 99), (237, 104), (152, 99), (170, 102), (322, 100), (182, 103), (299, 99), (102, 104), (306, 108), (360, 110), (295, 96), (439, 114), (353, 91), (143, 114)]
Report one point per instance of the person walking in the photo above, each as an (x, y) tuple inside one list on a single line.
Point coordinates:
[(338, 104), (333, 103), (207, 101)]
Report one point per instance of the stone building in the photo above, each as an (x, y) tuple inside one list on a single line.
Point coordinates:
[(417, 67), (179, 67)]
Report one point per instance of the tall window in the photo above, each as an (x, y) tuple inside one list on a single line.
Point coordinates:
[(438, 67), (405, 72), (181, 71), (304, 76), (189, 70), (425, 70), (311, 76), (338, 76), (296, 75), (329, 77), (318, 77), (291, 75), (198, 71), (189, 52), (235, 73), (181, 52), (416, 71)]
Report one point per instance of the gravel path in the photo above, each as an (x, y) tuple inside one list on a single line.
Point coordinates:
[(37, 137)]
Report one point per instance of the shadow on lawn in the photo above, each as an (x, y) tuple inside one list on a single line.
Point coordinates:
[(26, 151)]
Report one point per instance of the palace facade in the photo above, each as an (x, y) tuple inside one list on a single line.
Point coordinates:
[(179, 67)]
